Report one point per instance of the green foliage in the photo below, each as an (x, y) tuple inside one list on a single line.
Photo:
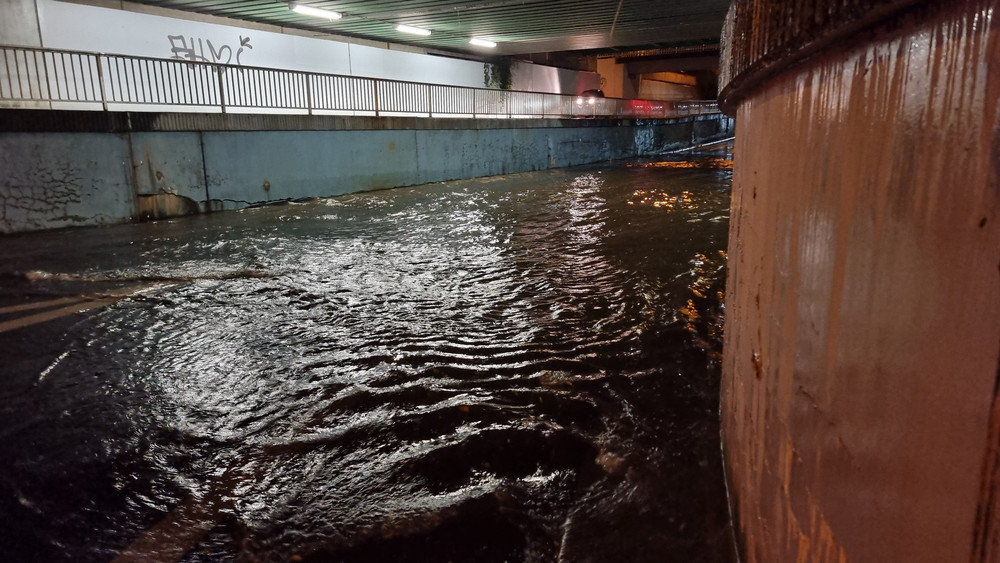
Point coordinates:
[(499, 73)]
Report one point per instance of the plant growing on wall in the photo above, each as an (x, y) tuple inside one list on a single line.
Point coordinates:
[(499, 73)]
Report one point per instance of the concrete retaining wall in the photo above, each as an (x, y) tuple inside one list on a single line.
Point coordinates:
[(56, 179)]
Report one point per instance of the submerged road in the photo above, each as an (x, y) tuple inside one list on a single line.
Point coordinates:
[(517, 368)]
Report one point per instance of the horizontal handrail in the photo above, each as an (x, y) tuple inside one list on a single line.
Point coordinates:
[(64, 79)]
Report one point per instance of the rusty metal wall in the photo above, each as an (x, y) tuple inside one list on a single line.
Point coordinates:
[(860, 416)]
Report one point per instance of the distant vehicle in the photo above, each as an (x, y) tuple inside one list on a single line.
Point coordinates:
[(589, 97)]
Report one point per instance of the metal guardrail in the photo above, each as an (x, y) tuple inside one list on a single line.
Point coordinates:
[(59, 79)]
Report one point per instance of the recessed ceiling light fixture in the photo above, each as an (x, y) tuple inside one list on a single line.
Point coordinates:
[(315, 12), (482, 42), (413, 30)]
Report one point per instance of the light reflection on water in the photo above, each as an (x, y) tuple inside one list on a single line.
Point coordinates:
[(518, 368)]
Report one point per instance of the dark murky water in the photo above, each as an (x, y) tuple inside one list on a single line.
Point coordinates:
[(521, 368)]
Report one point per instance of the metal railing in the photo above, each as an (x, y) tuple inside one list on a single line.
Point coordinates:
[(58, 79)]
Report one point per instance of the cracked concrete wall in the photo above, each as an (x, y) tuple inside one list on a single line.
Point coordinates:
[(54, 180)]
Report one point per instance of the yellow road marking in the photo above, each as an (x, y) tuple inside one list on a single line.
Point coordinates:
[(39, 304), (174, 535), (80, 304), (54, 314)]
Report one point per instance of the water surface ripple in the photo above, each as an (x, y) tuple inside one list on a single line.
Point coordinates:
[(522, 368)]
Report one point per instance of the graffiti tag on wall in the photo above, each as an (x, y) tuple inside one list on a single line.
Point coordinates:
[(194, 49)]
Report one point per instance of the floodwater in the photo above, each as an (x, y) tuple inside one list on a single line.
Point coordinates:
[(518, 368)]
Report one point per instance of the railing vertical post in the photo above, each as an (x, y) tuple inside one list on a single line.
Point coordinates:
[(430, 102), (474, 106), (48, 84), (375, 82), (222, 92), (100, 81), (507, 97), (309, 93)]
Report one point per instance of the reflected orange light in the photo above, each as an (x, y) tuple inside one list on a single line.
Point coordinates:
[(661, 199), (715, 163)]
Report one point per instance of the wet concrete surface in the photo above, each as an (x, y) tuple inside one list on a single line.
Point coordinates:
[(518, 368)]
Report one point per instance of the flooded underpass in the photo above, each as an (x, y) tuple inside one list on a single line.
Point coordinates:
[(518, 368)]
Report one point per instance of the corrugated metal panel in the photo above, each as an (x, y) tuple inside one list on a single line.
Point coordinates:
[(520, 26)]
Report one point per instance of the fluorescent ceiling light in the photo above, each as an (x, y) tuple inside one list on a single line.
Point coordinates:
[(413, 30), (482, 42), (315, 12)]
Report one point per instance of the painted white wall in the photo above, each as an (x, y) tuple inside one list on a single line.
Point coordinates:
[(81, 27), (19, 23), (19, 28)]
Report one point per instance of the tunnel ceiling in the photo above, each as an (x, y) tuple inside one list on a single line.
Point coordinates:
[(518, 26)]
